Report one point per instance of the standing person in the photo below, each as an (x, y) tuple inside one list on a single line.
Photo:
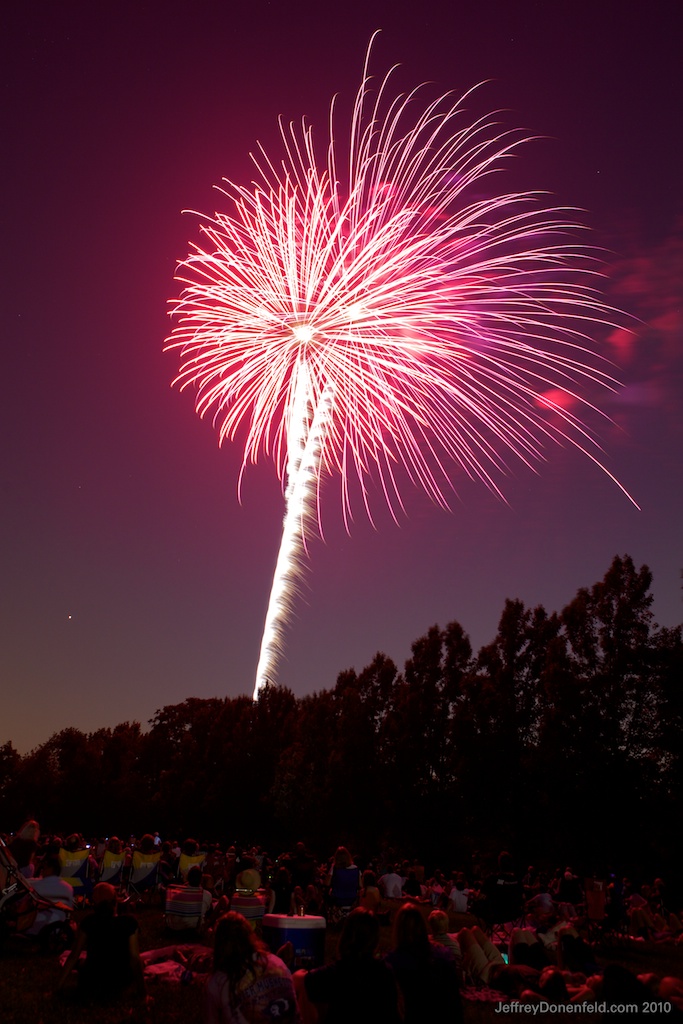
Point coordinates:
[(24, 845), (112, 954), (248, 985), (426, 973), (344, 880)]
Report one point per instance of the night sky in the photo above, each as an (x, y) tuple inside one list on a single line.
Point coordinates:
[(131, 577)]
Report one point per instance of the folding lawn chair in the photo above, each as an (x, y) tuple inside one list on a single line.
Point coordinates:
[(144, 874), (111, 868), (184, 908), (25, 913), (187, 861), (76, 871)]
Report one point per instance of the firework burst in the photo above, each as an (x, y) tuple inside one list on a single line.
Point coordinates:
[(370, 315)]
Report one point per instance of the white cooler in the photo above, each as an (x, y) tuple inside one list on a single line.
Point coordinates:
[(307, 935)]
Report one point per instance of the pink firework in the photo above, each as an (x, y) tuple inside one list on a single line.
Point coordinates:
[(370, 317)]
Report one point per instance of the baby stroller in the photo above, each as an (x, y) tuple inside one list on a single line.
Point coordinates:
[(20, 906)]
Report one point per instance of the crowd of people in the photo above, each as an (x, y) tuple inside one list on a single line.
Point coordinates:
[(527, 937)]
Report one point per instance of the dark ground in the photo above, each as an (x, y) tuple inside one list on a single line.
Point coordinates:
[(27, 980)]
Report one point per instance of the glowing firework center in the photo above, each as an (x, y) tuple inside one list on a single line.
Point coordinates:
[(302, 333)]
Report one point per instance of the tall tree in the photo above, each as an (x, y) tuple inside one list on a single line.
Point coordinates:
[(608, 629)]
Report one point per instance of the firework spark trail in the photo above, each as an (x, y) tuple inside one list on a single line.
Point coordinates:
[(376, 323), (304, 445)]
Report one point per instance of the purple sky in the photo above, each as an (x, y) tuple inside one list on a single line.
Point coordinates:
[(130, 576)]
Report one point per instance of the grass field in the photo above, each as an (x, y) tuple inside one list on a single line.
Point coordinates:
[(28, 978)]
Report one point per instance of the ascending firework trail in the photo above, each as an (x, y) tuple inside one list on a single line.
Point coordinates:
[(370, 315)]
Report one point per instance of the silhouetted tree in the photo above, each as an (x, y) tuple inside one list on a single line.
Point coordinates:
[(10, 798), (556, 736)]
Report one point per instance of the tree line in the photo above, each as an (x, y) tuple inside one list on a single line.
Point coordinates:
[(560, 738)]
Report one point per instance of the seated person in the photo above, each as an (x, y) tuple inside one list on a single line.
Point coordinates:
[(411, 886), (248, 983), (214, 869), (246, 899), (438, 929), (314, 901), (168, 865), (302, 866), (112, 955), (281, 892), (436, 889), (458, 897), (479, 955), (502, 895), (370, 896), (548, 918), (643, 922), (53, 888), (76, 864), (570, 892), (567, 949), (391, 884), (187, 905), (528, 948), (573, 952), (357, 987), (298, 904), (426, 973)]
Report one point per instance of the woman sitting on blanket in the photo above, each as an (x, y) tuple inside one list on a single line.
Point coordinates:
[(248, 984)]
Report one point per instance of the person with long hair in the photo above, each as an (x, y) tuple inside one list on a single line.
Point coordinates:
[(358, 987), (344, 882), (427, 975), (370, 896), (248, 985)]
